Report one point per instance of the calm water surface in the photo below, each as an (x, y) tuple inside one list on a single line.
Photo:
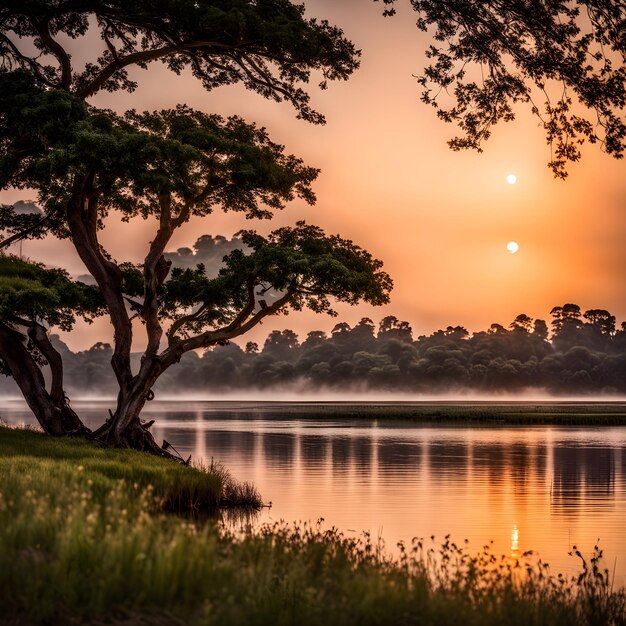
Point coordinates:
[(526, 488)]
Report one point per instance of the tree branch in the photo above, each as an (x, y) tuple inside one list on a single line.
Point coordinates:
[(40, 339), (82, 221), (137, 58), (154, 273), (183, 321), (231, 331), (55, 48), (264, 81), (35, 68), (7, 241), (192, 317)]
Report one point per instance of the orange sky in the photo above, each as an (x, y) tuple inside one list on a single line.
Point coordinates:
[(439, 220)]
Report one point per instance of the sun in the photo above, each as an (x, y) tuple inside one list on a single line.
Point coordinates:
[(512, 247), (511, 179)]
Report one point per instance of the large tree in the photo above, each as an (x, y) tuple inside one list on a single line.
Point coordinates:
[(170, 165), (173, 165)]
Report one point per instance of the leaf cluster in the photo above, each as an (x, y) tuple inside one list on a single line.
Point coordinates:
[(30, 291), (563, 58), (49, 139), (267, 45), (300, 262)]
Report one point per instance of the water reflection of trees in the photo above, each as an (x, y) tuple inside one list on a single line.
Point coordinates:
[(520, 464), (221, 443), (582, 473), (449, 459), (279, 448), (397, 456), (489, 461), (578, 472), (362, 451), (341, 453), (313, 450)]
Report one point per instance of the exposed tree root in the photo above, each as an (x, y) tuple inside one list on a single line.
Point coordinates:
[(137, 437)]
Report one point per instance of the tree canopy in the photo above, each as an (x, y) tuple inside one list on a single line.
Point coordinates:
[(267, 45), (31, 292), (193, 161)]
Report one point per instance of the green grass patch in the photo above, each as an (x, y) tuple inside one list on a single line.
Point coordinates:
[(81, 542), (175, 488)]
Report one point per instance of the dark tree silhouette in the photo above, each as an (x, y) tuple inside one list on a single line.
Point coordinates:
[(267, 45), (85, 163), (601, 320), (540, 329), (522, 323), (563, 59)]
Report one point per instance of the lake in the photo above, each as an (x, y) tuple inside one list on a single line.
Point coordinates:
[(540, 488)]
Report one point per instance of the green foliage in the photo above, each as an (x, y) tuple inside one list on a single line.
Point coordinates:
[(322, 266), (267, 45), (199, 161), (78, 546), (302, 261), (33, 292)]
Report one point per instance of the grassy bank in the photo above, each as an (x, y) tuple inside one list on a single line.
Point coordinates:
[(81, 542), (52, 463)]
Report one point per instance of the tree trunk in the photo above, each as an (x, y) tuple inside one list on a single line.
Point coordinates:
[(71, 422), (125, 429), (55, 417)]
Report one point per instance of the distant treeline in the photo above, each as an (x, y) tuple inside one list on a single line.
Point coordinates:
[(579, 353)]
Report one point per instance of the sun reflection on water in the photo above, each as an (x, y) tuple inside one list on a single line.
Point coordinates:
[(515, 541)]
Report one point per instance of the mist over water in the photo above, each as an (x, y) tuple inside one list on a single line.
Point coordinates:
[(303, 393), (306, 394)]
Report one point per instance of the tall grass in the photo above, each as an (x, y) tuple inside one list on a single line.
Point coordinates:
[(77, 546)]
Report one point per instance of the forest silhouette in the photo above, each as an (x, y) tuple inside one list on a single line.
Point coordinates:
[(576, 353)]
